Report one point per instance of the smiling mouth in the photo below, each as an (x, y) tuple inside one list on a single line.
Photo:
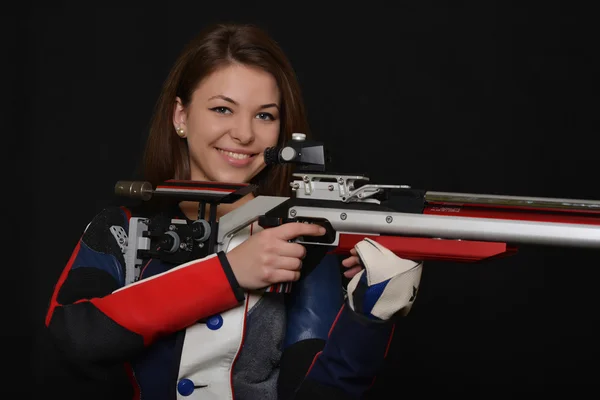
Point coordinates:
[(237, 156)]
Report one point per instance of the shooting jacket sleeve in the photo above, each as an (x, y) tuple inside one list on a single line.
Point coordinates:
[(350, 360), (93, 319), (330, 351)]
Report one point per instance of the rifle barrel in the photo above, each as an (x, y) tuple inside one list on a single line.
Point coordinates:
[(449, 198)]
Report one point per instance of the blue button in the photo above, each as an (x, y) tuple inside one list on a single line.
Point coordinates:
[(214, 322), (185, 387)]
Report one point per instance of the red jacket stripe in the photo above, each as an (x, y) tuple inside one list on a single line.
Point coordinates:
[(171, 301)]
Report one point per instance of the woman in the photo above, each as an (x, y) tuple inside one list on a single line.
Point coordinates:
[(205, 329)]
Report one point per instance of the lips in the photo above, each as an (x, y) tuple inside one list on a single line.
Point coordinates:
[(237, 158), (239, 154)]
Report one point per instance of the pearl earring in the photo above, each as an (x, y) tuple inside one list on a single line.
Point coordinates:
[(180, 132)]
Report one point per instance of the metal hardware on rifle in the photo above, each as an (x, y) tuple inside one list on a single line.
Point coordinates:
[(182, 190), (344, 188), (138, 190), (177, 240), (305, 154)]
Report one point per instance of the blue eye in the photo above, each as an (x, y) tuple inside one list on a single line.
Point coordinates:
[(266, 116)]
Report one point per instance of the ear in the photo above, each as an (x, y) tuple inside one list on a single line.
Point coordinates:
[(179, 116)]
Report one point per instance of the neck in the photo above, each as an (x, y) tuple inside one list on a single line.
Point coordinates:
[(190, 208)]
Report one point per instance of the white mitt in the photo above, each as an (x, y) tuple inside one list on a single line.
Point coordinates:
[(386, 286)]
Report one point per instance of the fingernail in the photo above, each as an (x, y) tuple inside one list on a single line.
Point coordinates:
[(322, 231)]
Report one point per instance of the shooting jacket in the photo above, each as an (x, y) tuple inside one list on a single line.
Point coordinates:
[(190, 332)]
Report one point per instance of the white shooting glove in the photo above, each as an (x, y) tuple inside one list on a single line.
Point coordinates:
[(386, 286)]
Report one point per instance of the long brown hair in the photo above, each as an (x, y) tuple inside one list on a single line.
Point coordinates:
[(166, 155)]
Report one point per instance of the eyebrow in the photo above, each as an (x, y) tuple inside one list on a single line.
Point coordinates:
[(230, 100)]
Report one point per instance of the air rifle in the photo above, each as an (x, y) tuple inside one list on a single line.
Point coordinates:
[(414, 224)]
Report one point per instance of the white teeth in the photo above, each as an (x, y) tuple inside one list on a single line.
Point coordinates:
[(235, 155)]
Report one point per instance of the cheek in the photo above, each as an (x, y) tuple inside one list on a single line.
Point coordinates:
[(268, 135), (205, 130)]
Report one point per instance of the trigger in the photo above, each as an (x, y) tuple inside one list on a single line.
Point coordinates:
[(269, 222)]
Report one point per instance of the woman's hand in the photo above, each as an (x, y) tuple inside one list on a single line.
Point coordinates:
[(353, 264), (268, 257)]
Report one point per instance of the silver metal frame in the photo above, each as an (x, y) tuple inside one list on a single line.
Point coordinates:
[(244, 215), (419, 225), (453, 227)]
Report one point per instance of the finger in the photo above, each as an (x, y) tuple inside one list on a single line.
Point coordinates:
[(289, 263), (353, 251), (351, 261), (352, 271), (290, 249), (292, 230), (284, 275)]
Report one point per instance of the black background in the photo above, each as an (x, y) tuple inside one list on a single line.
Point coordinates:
[(480, 97)]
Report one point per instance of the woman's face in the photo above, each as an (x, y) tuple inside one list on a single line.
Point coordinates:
[(232, 118)]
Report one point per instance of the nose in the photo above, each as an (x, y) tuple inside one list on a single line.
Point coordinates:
[(243, 131)]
